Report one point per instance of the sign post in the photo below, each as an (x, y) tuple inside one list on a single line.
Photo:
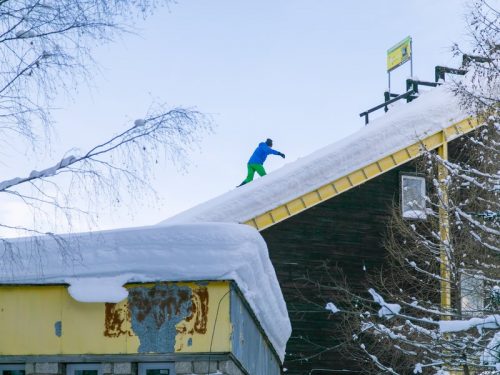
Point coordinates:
[(398, 55)]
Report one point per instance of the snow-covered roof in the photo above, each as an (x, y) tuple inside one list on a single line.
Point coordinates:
[(100, 263), (401, 127)]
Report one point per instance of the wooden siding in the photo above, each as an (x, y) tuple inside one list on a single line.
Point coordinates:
[(347, 231)]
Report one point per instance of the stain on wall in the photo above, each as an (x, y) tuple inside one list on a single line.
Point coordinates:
[(115, 318), (58, 328), (196, 322), (100, 328), (155, 312), (199, 311), (164, 317)]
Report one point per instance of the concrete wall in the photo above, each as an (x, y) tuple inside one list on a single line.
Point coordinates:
[(194, 367)]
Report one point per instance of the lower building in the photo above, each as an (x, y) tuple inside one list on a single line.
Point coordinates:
[(138, 316)]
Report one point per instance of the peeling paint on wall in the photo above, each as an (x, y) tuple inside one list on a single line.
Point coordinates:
[(155, 312), (196, 322), (199, 311), (97, 328), (159, 315), (115, 315)]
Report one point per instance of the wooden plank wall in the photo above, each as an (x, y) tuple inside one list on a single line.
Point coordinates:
[(347, 231)]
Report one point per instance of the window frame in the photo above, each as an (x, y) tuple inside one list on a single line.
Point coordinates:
[(472, 295), (144, 366), (13, 366), (72, 367), (412, 176)]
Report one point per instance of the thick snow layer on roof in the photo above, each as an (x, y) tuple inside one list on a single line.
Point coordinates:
[(402, 126), (109, 259)]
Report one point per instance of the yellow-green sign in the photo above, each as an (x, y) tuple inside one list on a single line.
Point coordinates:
[(399, 54)]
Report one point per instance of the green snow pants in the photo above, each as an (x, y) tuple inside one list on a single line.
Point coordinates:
[(252, 168)]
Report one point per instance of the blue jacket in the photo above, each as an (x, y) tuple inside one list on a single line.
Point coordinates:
[(260, 154)]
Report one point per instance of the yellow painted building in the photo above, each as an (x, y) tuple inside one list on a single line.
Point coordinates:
[(155, 318), (93, 317), (178, 324)]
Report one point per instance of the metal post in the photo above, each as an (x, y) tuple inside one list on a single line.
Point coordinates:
[(387, 97), (389, 76), (444, 234), (411, 58), (444, 230), (438, 74), (409, 86)]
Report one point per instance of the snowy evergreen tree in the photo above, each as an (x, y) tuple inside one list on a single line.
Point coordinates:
[(435, 308)]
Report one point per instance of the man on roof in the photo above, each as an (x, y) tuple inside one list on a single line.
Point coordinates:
[(256, 162)]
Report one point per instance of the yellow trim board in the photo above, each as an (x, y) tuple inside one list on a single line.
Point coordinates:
[(361, 175)]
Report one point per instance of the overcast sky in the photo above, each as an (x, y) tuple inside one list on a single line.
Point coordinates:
[(296, 71)]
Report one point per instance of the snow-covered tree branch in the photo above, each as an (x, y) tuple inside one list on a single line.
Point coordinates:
[(47, 49), (435, 308)]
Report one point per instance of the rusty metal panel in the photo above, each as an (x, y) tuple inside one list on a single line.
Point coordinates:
[(248, 343), (156, 318)]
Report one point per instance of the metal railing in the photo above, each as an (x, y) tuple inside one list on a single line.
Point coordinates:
[(412, 89), (385, 104), (440, 71)]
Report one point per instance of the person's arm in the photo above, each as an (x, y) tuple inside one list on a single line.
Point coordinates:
[(269, 150)]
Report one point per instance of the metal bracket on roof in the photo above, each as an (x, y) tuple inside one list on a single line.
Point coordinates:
[(440, 71), (395, 98), (389, 97), (413, 84)]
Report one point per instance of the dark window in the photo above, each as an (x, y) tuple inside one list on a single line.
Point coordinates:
[(12, 370), (83, 369), (156, 368)]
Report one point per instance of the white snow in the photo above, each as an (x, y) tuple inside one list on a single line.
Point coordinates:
[(332, 308), (400, 127), (491, 354), (109, 259), (48, 172), (418, 368), (388, 310), (414, 214), (488, 322), (98, 289), (52, 170)]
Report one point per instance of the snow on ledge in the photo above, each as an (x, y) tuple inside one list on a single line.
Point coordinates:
[(109, 259), (402, 126), (488, 322)]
